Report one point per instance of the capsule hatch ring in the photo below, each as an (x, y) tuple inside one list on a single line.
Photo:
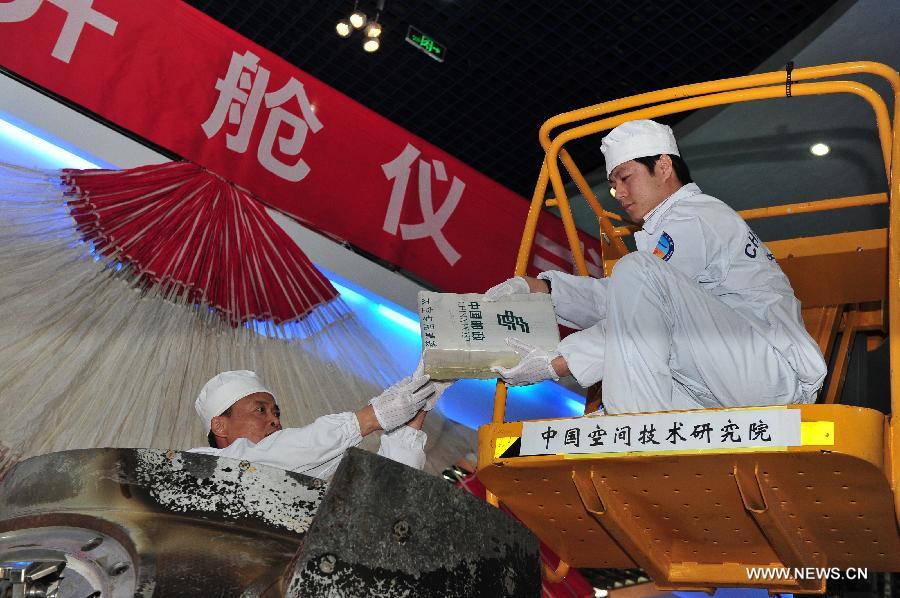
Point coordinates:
[(58, 561)]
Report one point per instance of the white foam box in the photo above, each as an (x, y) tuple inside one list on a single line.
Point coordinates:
[(463, 336)]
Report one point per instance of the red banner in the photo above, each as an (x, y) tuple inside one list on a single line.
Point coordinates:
[(172, 75)]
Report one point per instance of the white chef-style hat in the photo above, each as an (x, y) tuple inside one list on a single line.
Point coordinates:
[(224, 390), (637, 139)]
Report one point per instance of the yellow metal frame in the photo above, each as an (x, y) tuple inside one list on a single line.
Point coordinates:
[(601, 117)]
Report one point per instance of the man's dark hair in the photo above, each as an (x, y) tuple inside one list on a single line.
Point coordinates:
[(211, 438), (678, 165)]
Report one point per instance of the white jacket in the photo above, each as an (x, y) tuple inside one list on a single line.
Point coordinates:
[(711, 244), (316, 449)]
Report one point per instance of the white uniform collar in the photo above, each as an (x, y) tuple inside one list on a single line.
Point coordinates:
[(653, 218)]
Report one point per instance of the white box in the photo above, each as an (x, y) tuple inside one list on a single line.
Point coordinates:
[(464, 336)]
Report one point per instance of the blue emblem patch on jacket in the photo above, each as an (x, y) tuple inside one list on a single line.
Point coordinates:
[(665, 247)]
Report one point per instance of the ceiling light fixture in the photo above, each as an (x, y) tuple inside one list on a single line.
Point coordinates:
[(357, 17), (373, 29), (819, 149), (358, 20)]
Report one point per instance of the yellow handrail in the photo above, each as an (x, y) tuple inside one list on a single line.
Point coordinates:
[(730, 84), (791, 209), (808, 207)]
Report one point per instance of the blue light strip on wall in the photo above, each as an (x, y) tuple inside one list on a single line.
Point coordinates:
[(355, 294), (49, 153), (393, 316)]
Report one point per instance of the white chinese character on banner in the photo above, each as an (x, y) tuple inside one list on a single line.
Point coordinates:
[(399, 170), (78, 14), (292, 145), (241, 94), (561, 251)]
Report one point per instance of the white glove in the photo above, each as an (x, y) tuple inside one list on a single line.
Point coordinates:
[(439, 387), (514, 286), (534, 367), (401, 402)]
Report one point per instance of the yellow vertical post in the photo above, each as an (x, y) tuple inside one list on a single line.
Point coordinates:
[(893, 441), (534, 211), (565, 212), (499, 402)]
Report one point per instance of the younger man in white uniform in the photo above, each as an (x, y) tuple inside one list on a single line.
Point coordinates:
[(244, 423), (701, 316)]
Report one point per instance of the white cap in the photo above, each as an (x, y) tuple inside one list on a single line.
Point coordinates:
[(637, 139), (224, 390)]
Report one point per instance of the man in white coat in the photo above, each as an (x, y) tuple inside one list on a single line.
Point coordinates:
[(700, 316), (244, 422)]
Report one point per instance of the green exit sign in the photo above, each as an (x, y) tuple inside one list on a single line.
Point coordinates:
[(426, 43)]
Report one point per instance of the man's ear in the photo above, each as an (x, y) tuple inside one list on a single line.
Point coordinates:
[(664, 167), (219, 426)]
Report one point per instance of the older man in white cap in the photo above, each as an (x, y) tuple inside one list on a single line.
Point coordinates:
[(700, 316), (244, 422)]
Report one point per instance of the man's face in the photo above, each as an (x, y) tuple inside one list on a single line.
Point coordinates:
[(253, 417), (638, 190)]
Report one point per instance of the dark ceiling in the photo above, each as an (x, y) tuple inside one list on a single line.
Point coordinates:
[(511, 65)]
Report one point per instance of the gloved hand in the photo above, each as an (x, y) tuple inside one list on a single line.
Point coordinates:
[(534, 367), (399, 403), (513, 286), (439, 387)]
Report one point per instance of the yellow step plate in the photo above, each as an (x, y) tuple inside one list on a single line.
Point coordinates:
[(700, 518)]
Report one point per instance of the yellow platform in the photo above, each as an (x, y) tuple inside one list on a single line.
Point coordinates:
[(699, 519)]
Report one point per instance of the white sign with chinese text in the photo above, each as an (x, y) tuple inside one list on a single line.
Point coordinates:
[(670, 431)]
